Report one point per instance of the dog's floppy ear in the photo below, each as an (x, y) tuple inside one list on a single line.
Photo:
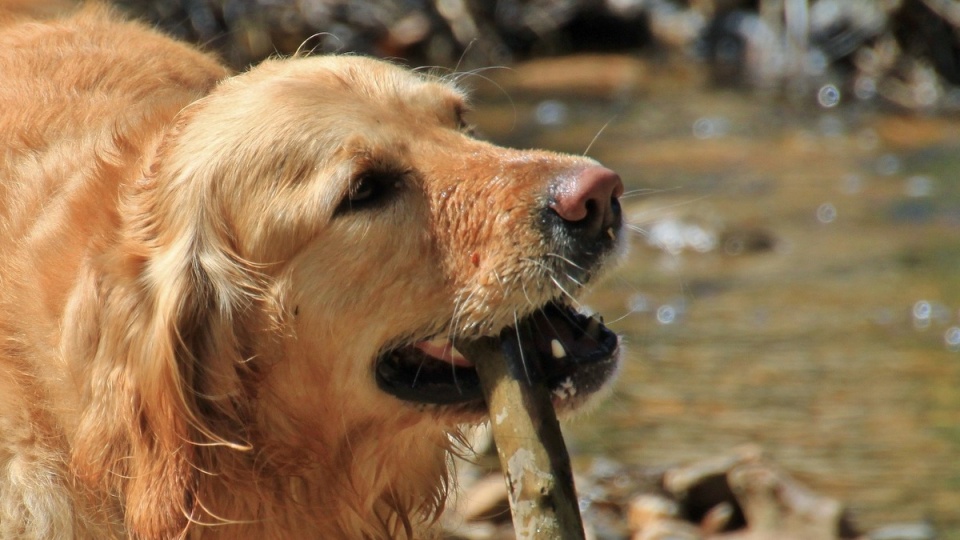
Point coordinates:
[(165, 371)]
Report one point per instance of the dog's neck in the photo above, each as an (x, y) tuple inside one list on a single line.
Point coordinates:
[(251, 471), (374, 485)]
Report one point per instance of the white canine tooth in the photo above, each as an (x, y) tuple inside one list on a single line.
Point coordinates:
[(611, 233), (557, 349), (593, 327)]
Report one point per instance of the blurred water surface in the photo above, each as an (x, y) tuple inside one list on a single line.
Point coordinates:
[(793, 282)]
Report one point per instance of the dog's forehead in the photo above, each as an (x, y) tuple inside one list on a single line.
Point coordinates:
[(392, 89), (359, 89)]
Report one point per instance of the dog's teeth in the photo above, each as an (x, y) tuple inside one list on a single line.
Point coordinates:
[(611, 233), (557, 349), (593, 327)]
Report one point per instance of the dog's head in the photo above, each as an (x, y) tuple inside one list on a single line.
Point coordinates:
[(314, 237), (385, 232)]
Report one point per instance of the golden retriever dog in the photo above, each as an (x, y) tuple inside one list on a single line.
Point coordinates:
[(229, 303)]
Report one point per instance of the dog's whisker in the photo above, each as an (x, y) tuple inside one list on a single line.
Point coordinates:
[(644, 192), (456, 77), (626, 315), (456, 380), (566, 260), (551, 274), (458, 309), (523, 360), (496, 276), (479, 70), (416, 376), (564, 291), (299, 52), (597, 136), (573, 279), (639, 230), (463, 54), (679, 204), (526, 295)]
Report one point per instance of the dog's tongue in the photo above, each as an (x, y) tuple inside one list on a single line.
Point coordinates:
[(442, 349)]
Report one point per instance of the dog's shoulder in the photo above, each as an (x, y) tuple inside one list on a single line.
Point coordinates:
[(84, 91)]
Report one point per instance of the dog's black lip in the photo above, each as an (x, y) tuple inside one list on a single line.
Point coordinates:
[(583, 249), (426, 384), (410, 375)]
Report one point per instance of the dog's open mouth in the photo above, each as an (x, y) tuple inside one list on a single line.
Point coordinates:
[(575, 355)]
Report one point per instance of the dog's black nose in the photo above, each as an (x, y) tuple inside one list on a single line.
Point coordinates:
[(587, 201), (582, 219)]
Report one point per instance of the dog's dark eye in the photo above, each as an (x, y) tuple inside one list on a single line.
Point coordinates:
[(365, 189), (370, 189)]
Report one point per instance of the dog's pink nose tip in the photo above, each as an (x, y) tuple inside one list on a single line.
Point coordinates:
[(590, 194)]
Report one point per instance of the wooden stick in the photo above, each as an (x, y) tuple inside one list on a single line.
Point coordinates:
[(532, 453)]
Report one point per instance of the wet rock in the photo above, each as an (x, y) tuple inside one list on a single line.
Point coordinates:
[(904, 531), (739, 495), (777, 506), (647, 508), (668, 530)]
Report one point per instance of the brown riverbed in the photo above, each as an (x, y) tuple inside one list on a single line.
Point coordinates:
[(804, 291)]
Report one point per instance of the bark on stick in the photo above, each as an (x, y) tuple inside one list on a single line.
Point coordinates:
[(532, 453)]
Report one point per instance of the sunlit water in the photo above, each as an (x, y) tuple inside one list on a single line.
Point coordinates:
[(793, 282)]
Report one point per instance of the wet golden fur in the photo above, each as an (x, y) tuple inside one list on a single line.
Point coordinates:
[(187, 323)]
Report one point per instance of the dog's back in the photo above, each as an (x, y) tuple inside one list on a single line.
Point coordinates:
[(68, 81), (82, 97)]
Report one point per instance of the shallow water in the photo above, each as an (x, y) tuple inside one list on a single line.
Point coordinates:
[(802, 292)]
